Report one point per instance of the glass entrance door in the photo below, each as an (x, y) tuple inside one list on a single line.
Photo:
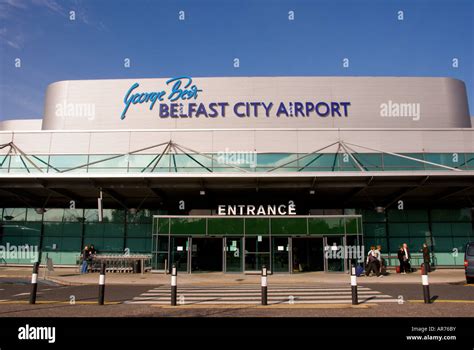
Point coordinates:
[(307, 254), (257, 253), (206, 254), (334, 258), (233, 254), (179, 253), (280, 254)]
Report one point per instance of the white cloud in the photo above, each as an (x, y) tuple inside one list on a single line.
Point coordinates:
[(16, 41), (51, 5), (14, 11)]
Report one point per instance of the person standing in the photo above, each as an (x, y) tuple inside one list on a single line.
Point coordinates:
[(372, 262), (406, 258), (401, 255), (85, 257), (378, 252), (90, 260), (426, 257)]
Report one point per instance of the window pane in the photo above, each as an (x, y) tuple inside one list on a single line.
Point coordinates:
[(63, 162), (375, 230), (398, 229), (14, 214), (271, 160), (109, 215), (225, 226), (318, 226), (463, 214), (188, 226), (392, 162), (60, 215), (290, 226), (139, 230), (257, 226)]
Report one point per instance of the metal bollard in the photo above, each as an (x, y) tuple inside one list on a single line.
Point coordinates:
[(355, 300), (102, 284), (264, 285), (174, 284), (34, 283), (426, 285)]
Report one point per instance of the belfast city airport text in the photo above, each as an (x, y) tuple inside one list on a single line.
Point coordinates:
[(254, 109)]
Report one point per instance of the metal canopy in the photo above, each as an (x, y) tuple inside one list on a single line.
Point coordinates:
[(336, 190), (170, 148), (360, 187)]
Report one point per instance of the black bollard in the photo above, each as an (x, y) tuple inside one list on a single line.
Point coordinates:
[(102, 284), (355, 300), (264, 285), (34, 283), (426, 284), (174, 284)]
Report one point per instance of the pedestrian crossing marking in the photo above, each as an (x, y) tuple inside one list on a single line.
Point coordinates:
[(22, 294), (232, 295)]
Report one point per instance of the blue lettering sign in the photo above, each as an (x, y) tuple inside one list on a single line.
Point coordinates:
[(178, 93), (181, 91)]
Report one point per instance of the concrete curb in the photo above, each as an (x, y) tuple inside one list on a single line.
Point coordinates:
[(230, 284), (67, 283), (72, 278)]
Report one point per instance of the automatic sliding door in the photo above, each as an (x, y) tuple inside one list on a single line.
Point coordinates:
[(307, 254), (206, 254), (179, 253), (233, 254), (334, 253), (280, 256), (257, 252)]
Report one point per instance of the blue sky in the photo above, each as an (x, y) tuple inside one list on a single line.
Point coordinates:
[(105, 32)]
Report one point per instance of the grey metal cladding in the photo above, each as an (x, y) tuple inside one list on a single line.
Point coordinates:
[(442, 102)]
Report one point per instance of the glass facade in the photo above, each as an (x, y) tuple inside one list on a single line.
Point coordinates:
[(285, 243), (261, 162), (248, 243), (446, 231), (61, 233)]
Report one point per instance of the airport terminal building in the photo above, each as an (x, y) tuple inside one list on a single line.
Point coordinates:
[(228, 174)]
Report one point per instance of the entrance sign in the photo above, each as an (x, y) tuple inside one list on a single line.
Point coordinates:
[(255, 210)]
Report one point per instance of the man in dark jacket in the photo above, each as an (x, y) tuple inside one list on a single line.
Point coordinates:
[(426, 257), (401, 259), (85, 257), (92, 251), (406, 259)]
